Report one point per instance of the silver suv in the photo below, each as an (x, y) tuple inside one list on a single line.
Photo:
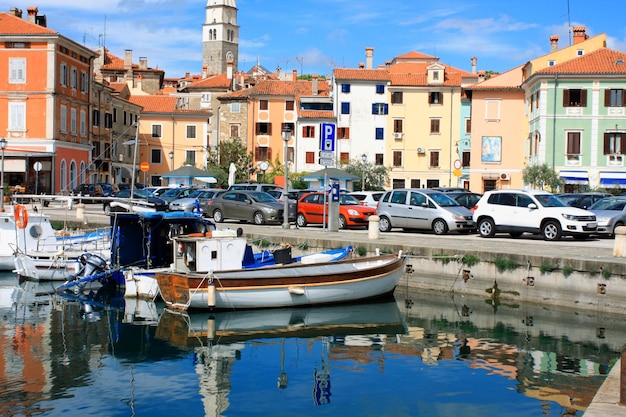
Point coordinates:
[(410, 208), (531, 211)]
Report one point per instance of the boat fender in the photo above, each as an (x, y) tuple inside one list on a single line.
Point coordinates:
[(21, 216), (210, 294), (296, 290)]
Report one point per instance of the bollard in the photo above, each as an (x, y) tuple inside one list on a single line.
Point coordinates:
[(80, 212), (373, 231), (619, 244)]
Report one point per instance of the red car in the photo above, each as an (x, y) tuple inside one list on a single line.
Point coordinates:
[(351, 212)]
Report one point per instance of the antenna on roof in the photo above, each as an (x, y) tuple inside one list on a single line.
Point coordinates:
[(300, 59), (569, 25)]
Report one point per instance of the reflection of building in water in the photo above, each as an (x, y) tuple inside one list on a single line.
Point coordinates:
[(214, 367)]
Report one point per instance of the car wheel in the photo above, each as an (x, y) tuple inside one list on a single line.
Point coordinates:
[(440, 227), (618, 224), (551, 230), (301, 220), (515, 234), (218, 217), (486, 227), (384, 225), (258, 218), (342, 222)]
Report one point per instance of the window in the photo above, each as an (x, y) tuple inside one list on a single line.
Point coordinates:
[(397, 183), (155, 156), (345, 107), (468, 126), (309, 157), (343, 133), (17, 116), (492, 109), (263, 128), (573, 148), (115, 114), (380, 108), (289, 105), (397, 97), (397, 126), (537, 100), (551, 63), (435, 75), (74, 78), (345, 88), (235, 107), (64, 118), (465, 159), (95, 118), (191, 132), (344, 157), (380, 133), (205, 100), (380, 89), (416, 183), (17, 70), (434, 159), (614, 143), (263, 104), (379, 159), (108, 120), (83, 122), (308, 131), (435, 97), (234, 131), (190, 157), (156, 131), (614, 98), (434, 125), (73, 121), (64, 75), (262, 153), (84, 82), (574, 98), (397, 159)]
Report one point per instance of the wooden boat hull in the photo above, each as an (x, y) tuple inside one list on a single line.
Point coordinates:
[(283, 286)]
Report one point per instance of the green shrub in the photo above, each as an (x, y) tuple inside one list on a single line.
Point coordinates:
[(567, 270), (470, 260), (504, 264), (361, 250), (546, 268)]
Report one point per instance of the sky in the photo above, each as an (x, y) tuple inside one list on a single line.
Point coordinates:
[(315, 36)]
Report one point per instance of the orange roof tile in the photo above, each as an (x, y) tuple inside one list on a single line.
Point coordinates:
[(601, 61), (219, 80), (417, 55), (13, 25), (361, 74), (317, 114), (155, 104), (509, 80)]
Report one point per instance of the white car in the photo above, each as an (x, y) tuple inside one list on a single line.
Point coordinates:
[(368, 198), (531, 211)]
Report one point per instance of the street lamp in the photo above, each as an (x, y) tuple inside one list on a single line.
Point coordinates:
[(286, 136), (364, 159), (3, 145), (171, 155)]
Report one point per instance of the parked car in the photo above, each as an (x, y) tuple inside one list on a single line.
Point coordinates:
[(581, 200), (531, 211), (278, 194), (142, 201), (351, 211), (254, 187), (157, 191), (450, 189), (253, 206), (368, 198), (610, 213), (467, 199), (99, 189), (425, 209), (201, 196), (176, 193)]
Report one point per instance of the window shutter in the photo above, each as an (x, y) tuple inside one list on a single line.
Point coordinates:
[(269, 154), (386, 108), (607, 97), (374, 108), (583, 98), (269, 128), (565, 98), (623, 98), (607, 141), (440, 98), (622, 141), (256, 153)]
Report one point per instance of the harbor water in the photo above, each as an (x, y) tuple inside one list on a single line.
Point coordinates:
[(417, 354)]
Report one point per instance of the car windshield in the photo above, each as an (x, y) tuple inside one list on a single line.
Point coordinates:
[(549, 200), (348, 200), (443, 200), (261, 197), (197, 193), (616, 204), (570, 200)]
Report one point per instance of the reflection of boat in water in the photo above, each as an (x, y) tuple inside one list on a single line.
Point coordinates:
[(200, 328)]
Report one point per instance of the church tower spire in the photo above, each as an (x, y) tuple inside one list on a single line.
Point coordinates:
[(220, 36)]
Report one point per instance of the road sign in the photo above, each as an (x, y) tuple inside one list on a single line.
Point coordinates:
[(457, 172), (144, 166), (327, 155), (457, 164), (327, 162), (327, 137)]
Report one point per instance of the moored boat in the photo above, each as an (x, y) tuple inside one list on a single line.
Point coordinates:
[(280, 286)]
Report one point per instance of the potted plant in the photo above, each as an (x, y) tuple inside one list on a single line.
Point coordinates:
[(7, 192)]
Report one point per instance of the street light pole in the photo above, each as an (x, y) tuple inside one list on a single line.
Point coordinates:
[(364, 159), (286, 136), (3, 145)]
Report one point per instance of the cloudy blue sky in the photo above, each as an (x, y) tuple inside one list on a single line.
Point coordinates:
[(313, 36)]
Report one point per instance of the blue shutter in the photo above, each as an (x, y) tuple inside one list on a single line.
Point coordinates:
[(385, 108), (374, 108), (380, 133)]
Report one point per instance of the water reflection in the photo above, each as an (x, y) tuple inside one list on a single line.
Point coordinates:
[(420, 354)]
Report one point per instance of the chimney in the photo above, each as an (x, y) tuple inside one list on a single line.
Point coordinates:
[(205, 71), (295, 75), (16, 12), (481, 75), (187, 74), (229, 69), (128, 59), (143, 63), (314, 84), (474, 60), (369, 57), (361, 65), (554, 43), (32, 13), (579, 34)]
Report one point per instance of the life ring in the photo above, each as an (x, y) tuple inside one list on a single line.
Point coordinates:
[(21, 216)]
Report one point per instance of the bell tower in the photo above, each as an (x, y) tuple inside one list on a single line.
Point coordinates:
[(220, 36)]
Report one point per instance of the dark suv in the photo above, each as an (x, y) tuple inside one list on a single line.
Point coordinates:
[(99, 189)]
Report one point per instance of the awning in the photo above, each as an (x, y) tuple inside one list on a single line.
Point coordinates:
[(613, 179), (575, 177)]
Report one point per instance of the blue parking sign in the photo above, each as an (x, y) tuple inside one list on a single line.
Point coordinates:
[(327, 137)]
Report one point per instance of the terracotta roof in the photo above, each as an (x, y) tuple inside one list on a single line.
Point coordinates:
[(361, 74), (317, 114), (113, 62), (13, 25), (155, 104), (417, 55), (509, 80), (219, 80), (601, 61), (288, 88), (117, 87)]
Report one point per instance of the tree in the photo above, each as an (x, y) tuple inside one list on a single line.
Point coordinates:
[(218, 161), (376, 176), (541, 176)]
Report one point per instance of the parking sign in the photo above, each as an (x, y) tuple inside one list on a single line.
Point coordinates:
[(327, 138)]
